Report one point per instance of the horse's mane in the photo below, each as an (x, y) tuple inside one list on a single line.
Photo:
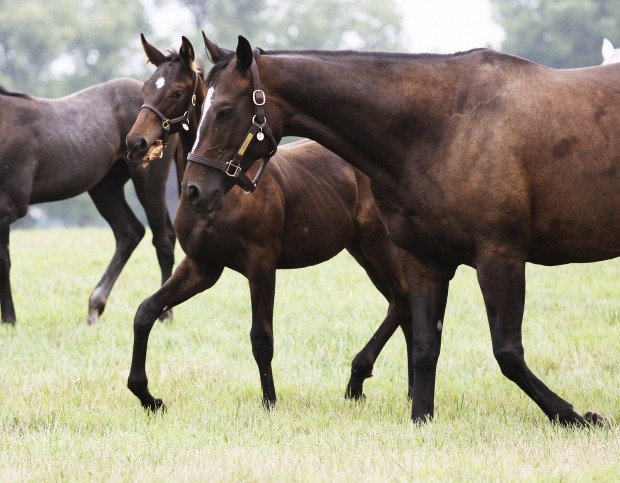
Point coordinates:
[(225, 60), (5, 92), (369, 54), (174, 56)]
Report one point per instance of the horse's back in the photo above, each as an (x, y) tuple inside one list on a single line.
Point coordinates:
[(66, 145)]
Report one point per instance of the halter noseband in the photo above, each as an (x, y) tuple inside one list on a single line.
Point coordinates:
[(258, 130), (170, 125)]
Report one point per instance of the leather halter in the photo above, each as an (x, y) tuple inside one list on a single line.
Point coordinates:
[(257, 131), (170, 126)]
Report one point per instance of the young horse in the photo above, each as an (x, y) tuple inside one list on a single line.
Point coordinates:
[(299, 217), (56, 149), (477, 158)]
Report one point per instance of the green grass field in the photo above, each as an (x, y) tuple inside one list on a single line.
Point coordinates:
[(66, 414)]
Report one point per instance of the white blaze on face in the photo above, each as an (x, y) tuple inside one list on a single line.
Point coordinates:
[(160, 82), (205, 108)]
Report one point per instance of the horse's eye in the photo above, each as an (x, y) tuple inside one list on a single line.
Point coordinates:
[(177, 94), (225, 113)]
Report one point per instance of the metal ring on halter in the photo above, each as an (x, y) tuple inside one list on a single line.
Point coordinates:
[(261, 124), (258, 102)]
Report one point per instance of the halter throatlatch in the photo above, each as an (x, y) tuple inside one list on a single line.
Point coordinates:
[(171, 126), (258, 130)]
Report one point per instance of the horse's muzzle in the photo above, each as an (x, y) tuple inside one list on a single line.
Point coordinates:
[(136, 149), (198, 202)]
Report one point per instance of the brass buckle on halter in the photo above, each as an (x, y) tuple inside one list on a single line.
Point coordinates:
[(261, 101), (165, 124), (237, 168)]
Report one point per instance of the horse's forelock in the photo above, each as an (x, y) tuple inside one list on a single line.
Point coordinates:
[(219, 66)]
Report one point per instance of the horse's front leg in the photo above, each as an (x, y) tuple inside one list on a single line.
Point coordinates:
[(502, 281), (186, 281), (428, 293), (262, 291), (150, 185), (6, 297)]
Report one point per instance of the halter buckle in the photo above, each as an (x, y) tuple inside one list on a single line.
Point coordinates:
[(236, 167), (260, 100), (165, 124)]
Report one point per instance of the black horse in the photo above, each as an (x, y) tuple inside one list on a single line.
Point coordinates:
[(477, 158), (54, 149)]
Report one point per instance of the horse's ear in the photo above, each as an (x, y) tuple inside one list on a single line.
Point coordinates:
[(186, 51), (214, 51), (154, 55), (608, 49), (244, 54)]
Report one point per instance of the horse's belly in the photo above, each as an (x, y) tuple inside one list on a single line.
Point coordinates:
[(314, 241)]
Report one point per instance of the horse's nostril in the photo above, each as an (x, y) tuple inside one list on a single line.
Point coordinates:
[(192, 192), (140, 145)]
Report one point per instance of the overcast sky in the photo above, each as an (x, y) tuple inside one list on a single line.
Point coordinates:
[(445, 26), (437, 26)]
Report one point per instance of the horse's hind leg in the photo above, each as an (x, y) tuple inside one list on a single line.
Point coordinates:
[(262, 291), (6, 297), (150, 184), (186, 281), (502, 280), (382, 264), (109, 198)]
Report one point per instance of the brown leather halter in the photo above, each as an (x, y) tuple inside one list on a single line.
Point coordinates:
[(170, 126), (257, 131)]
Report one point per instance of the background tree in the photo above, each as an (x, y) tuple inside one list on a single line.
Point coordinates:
[(288, 24), (558, 33), (57, 47)]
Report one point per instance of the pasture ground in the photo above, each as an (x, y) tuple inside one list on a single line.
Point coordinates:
[(66, 414)]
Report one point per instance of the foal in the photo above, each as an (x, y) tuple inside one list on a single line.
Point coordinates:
[(310, 205)]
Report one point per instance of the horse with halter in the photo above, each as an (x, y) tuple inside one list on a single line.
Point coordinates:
[(310, 206), (54, 149), (477, 158)]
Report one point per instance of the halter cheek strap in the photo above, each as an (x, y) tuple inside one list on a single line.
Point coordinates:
[(258, 130), (170, 126)]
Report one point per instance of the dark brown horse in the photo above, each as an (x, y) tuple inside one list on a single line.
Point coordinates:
[(477, 158), (56, 149), (310, 206)]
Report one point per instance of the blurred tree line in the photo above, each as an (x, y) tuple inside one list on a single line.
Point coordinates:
[(53, 48), (558, 33), (56, 47)]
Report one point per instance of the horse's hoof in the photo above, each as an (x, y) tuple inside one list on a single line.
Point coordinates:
[(156, 406), (9, 321), (354, 393), (594, 419), (94, 311), (269, 405)]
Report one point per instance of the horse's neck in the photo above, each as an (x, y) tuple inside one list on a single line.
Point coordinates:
[(364, 108)]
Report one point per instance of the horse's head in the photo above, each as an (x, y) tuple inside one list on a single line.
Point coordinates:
[(238, 126), (169, 99)]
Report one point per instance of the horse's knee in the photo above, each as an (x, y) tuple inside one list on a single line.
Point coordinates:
[(425, 352), (510, 359), (145, 317), (262, 346), (5, 266)]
